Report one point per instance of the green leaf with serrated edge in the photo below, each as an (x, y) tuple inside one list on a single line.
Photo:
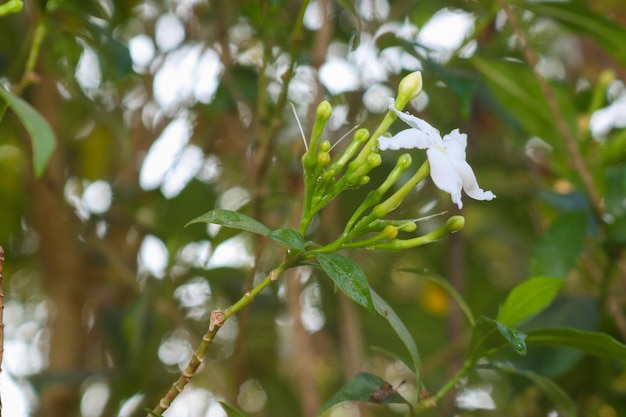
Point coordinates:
[(528, 298), (561, 400), (365, 387), (488, 335), (593, 343), (152, 413), (385, 310), (348, 276), (556, 253), (290, 238), (449, 289), (232, 219), (230, 410), (40, 132)]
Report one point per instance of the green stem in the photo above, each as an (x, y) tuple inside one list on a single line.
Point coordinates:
[(31, 62), (218, 318), (432, 401)]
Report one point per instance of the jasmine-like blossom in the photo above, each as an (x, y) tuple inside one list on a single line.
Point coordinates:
[(448, 168)]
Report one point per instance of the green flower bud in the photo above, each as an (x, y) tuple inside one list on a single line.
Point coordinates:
[(324, 110), (390, 232), (324, 146), (455, 223), (410, 87), (323, 159), (409, 227)]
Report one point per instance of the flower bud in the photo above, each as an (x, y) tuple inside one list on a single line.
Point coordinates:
[(390, 232), (410, 86), (324, 146), (324, 110), (323, 159), (455, 223)]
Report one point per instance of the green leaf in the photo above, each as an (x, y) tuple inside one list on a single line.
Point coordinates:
[(489, 334), (230, 410), (449, 289), (290, 238), (385, 310), (556, 253), (528, 298), (365, 387), (593, 343), (559, 397), (616, 190), (38, 128), (348, 276), (152, 413), (232, 219)]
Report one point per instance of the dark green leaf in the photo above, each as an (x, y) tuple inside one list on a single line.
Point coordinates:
[(385, 310), (528, 298), (232, 219), (489, 334), (449, 289), (559, 397), (290, 238), (556, 253), (348, 276), (38, 128), (231, 411), (365, 387), (616, 190), (593, 343)]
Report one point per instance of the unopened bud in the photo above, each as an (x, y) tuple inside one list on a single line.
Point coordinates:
[(455, 223), (324, 110), (410, 86)]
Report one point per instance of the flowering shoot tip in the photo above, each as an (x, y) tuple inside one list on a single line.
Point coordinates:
[(455, 223), (324, 110), (410, 87)]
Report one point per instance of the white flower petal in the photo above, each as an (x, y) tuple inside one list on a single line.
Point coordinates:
[(470, 184), (419, 124), (444, 175), (455, 143), (405, 139)]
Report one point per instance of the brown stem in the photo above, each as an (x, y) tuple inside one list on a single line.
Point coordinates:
[(570, 143)]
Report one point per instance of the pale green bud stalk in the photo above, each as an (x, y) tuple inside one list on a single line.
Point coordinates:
[(355, 172), (388, 233), (360, 137), (322, 114), (404, 161), (394, 201), (452, 225)]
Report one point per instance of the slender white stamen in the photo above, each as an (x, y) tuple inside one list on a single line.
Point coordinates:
[(306, 146), (344, 136)]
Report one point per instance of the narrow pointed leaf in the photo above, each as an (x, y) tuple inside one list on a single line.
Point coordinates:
[(348, 276), (231, 411), (385, 310), (40, 132), (290, 238), (593, 343), (489, 335), (232, 219), (559, 397), (365, 387), (528, 298)]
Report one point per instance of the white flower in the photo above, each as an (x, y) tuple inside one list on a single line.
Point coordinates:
[(448, 168)]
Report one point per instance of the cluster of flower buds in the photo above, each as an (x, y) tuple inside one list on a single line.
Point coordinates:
[(326, 177)]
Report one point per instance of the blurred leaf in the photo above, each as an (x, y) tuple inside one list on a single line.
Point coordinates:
[(593, 343), (40, 131), (348, 276), (616, 190), (556, 253), (559, 397), (581, 19), (10, 7), (489, 334), (231, 411), (288, 237), (385, 310), (449, 289), (365, 387), (528, 298), (232, 219)]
